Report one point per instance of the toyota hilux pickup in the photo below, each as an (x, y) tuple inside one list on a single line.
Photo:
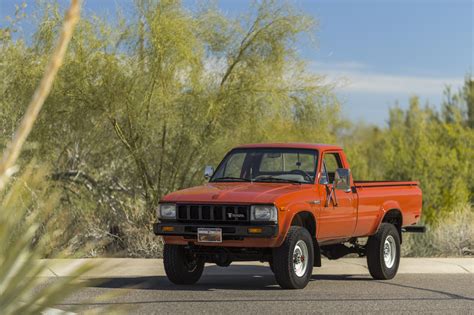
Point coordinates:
[(288, 205)]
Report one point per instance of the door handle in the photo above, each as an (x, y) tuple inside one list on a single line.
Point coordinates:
[(315, 202)]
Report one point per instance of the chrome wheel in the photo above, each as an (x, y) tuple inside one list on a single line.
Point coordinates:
[(300, 258), (389, 251)]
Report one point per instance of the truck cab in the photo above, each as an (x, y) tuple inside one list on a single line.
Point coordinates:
[(287, 204)]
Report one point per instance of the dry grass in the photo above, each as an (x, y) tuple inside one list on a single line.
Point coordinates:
[(453, 235)]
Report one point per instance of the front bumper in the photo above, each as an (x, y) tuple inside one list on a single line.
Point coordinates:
[(229, 232)]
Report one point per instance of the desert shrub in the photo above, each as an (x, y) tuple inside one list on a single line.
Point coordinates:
[(452, 235)]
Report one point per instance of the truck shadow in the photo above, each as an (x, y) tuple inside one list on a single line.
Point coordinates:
[(239, 278), (243, 278), (259, 278), (207, 283)]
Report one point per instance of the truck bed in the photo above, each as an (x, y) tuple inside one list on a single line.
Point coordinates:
[(375, 198)]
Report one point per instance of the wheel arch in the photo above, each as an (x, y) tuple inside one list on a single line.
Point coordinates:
[(306, 219), (394, 216)]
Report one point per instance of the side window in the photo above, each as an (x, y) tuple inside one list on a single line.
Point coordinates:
[(331, 161)]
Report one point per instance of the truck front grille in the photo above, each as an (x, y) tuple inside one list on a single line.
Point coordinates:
[(213, 213)]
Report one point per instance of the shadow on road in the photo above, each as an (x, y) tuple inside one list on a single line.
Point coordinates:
[(214, 277), (241, 278), (448, 294), (207, 283), (260, 279), (267, 282)]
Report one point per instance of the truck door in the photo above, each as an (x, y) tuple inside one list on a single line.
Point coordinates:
[(335, 220)]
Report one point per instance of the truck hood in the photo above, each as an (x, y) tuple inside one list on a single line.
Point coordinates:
[(232, 193)]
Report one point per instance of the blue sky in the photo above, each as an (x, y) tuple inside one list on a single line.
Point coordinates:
[(380, 52)]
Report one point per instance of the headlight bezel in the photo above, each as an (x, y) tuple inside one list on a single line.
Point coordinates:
[(166, 207), (270, 208)]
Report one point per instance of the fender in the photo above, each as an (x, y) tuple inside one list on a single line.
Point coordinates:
[(298, 208), (291, 210), (386, 207)]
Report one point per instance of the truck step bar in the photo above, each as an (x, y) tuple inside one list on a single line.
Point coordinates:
[(414, 229)]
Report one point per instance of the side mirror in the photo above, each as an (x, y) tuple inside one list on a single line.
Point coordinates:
[(342, 179), (208, 172)]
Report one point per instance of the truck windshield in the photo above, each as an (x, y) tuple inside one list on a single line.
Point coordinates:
[(268, 165)]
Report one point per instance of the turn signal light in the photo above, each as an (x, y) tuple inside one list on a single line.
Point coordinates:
[(255, 230), (168, 228)]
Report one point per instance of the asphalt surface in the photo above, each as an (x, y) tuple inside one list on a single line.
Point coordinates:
[(252, 289)]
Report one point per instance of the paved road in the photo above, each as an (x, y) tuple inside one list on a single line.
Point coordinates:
[(252, 289)]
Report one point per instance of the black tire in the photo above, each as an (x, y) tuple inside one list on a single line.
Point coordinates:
[(270, 263), (284, 260), (379, 269), (180, 266)]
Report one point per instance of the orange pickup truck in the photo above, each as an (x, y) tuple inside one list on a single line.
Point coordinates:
[(286, 204)]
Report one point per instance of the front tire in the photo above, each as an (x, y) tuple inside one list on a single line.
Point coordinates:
[(181, 266), (293, 260), (383, 252)]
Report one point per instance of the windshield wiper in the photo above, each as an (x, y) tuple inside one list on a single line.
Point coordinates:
[(270, 178), (231, 178)]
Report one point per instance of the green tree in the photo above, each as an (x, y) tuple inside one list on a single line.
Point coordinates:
[(468, 93), (142, 104), (436, 149)]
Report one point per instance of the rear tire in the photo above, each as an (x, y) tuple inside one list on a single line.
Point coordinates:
[(181, 266), (383, 252), (293, 260), (270, 263)]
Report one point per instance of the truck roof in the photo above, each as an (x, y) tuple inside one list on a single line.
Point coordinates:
[(292, 145)]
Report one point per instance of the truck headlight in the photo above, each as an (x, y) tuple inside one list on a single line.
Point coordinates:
[(264, 213), (166, 211)]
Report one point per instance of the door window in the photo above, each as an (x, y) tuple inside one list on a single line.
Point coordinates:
[(331, 162)]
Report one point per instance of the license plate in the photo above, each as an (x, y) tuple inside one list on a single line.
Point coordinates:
[(209, 235)]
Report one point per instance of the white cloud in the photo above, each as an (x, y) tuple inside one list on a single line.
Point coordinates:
[(357, 77)]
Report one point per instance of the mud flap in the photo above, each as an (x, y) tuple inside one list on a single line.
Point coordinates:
[(317, 254)]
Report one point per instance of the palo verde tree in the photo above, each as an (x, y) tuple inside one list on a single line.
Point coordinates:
[(142, 104), (203, 83)]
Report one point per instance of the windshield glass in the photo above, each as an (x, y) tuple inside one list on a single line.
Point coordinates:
[(268, 165)]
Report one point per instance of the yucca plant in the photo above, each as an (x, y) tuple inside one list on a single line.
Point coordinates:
[(22, 206), (24, 201)]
